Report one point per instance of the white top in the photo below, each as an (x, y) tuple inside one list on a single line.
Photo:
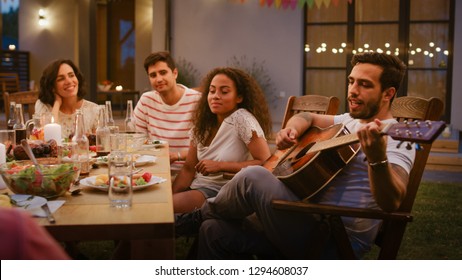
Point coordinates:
[(90, 117), (351, 187), (170, 123), (230, 144)]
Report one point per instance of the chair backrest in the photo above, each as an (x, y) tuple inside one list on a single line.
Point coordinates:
[(416, 108), (408, 108), (9, 82), (22, 97), (310, 103)]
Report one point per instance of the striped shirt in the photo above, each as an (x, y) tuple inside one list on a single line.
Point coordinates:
[(165, 122)]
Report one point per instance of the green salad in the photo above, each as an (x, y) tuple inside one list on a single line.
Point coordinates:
[(54, 181)]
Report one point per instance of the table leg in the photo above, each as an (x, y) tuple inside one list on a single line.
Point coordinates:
[(153, 249)]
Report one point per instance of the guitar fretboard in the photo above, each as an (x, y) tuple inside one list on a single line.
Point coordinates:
[(333, 143)]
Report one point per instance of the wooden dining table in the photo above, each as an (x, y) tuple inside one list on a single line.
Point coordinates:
[(148, 225)]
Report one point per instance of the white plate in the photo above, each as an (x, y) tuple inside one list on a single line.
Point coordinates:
[(90, 182), (28, 202), (154, 144), (144, 159), (140, 160)]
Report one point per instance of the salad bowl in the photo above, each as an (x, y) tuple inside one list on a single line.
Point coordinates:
[(21, 177)]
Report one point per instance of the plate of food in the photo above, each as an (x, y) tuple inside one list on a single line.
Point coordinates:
[(143, 181), (139, 160), (154, 143)]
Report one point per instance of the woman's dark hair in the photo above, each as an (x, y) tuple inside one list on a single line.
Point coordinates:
[(48, 80), (253, 100)]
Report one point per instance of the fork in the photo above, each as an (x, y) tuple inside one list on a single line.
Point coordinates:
[(50, 216)]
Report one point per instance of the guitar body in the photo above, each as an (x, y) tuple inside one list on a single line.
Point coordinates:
[(320, 154), (306, 172)]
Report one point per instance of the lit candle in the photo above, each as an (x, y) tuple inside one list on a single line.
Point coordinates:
[(119, 88), (12, 47), (52, 131)]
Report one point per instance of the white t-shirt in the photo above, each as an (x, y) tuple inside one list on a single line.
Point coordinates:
[(90, 117), (165, 122), (351, 187), (230, 144)]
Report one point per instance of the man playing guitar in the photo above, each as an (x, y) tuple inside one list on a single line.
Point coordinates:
[(376, 177)]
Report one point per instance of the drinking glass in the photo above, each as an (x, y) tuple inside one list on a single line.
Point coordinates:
[(7, 138), (120, 179), (118, 142), (113, 129), (67, 153)]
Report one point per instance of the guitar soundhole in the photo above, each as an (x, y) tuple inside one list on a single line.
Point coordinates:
[(303, 151)]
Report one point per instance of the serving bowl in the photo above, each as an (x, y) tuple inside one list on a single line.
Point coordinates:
[(22, 177)]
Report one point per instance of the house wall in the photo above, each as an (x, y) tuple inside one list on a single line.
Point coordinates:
[(209, 33), (206, 33)]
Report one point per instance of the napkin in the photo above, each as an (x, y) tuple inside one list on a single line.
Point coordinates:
[(53, 205)]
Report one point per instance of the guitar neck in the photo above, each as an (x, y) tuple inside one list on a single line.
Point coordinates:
[(334, 142)]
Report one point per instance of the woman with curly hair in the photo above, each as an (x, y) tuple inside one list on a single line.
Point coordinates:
[(62, 88), (230, 125)]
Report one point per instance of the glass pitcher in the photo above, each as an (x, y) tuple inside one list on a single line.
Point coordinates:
[(34, 126)]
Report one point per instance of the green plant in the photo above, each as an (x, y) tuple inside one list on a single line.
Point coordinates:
[(187, 73), (258, 71)]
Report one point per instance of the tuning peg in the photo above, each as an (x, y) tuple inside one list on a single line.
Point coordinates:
[(409, 146), (418, 147), (399, 144)]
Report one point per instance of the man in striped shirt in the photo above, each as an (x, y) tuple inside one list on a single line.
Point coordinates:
[(165, 113)]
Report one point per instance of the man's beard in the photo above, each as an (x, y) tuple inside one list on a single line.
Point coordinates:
[(372, 109)]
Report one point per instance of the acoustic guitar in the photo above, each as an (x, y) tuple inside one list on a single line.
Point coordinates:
[(320, 154)]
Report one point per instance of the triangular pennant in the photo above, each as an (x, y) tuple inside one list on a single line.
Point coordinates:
[(270, 2), (327, 3), (301, 3), (277, 3), (310, 3), (262, 2), (293, 4), (285, 4), (318, 3), (335, 2)]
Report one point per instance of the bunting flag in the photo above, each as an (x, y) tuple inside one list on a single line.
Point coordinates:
[(277, 3), (310, 3)]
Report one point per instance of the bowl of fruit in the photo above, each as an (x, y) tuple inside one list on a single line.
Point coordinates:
[(53, 180)]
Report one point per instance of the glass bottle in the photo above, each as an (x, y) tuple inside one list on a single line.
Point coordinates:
[(11, 120), (82, 149), (19, 126), (110, 120), (129, 122), (102, 133)]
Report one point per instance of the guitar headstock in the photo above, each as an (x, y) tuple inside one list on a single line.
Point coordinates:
[(415, 131)]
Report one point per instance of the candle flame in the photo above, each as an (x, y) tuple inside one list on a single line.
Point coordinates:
[(52, 119)]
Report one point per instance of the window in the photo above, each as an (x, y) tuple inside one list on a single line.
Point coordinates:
[(420, 32)]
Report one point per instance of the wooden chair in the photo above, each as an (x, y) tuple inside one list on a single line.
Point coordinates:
[(307, 103), (394, 223), (10, 82), (310, 103), (22, 97)]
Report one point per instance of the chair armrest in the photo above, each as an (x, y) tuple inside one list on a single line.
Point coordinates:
[(324, 209)]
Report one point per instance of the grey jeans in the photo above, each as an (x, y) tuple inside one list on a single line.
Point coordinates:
[(225, 235)]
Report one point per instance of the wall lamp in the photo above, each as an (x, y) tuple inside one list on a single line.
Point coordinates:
[(42, 18)]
